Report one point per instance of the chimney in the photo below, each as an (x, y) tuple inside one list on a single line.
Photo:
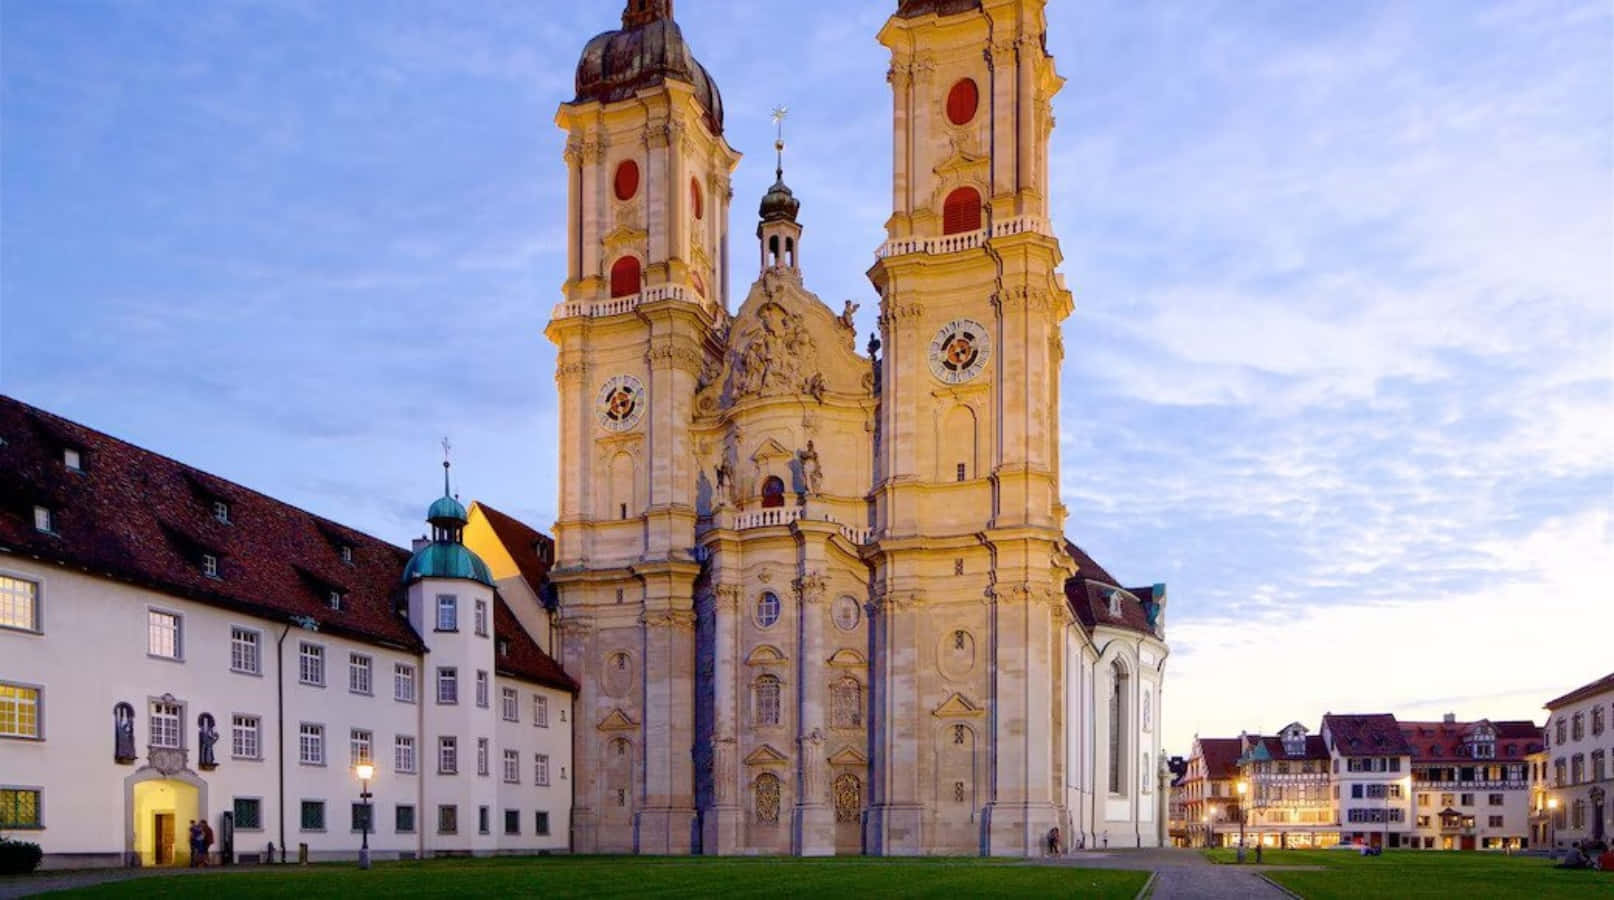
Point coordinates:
[(419, 543), (1450, 719)]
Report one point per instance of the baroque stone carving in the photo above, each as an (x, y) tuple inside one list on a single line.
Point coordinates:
[(811, 588), (683, 620), (206, 736), (123, 739), (848, 798), (810, 468), (777, 359)]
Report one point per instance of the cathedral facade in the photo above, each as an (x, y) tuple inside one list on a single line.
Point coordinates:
[(821, 601)]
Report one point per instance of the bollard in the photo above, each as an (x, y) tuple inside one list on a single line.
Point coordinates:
[(302, 853)]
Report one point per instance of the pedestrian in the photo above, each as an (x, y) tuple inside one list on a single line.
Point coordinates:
[(194, 838), (207, 841), (1106, 839), (1053, 841)]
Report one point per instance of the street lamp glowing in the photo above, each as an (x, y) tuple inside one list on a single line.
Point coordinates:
[(365, 771), (1552, 802), (1244, 788)]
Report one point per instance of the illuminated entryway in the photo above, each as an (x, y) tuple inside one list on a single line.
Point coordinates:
[(160, 809)]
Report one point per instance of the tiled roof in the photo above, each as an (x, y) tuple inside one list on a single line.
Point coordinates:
[(521, 541), (1443, 741), (1314, 749), (1088, 593), (1375, 734), (519, 656), (1221, 756), (1601, 685)]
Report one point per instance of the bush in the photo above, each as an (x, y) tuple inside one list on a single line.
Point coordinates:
[(19, 857)]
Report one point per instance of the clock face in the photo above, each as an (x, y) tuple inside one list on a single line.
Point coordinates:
[(621, 403), (960, 351)]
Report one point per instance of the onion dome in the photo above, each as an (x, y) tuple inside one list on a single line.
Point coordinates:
[(779, 204), (446, 556), (648, 49), (910, 9)]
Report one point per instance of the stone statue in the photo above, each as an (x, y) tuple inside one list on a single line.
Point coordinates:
[(874, 344), (772, 361), (815, 386), (845, 318), (728, 487), (123, 740), (206, 737), (812, 747), (810, 469)]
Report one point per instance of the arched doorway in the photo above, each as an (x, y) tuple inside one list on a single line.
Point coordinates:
[(159, 810)]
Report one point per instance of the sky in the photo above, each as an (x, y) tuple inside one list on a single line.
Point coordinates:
[(1341, 371)]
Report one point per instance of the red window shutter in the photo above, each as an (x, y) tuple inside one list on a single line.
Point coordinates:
[(961, 211), (962, 101), (626, 183), (695, 197), (625, 277)]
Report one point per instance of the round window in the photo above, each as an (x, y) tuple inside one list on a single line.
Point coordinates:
[(767, 609), (626, 182), (846, 612), (962, 101)]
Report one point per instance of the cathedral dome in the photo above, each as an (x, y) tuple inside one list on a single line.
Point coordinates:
[(779, 204), (909, 9), (443, 559), (648, 49)]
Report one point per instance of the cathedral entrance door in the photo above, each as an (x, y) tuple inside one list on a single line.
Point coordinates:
[(163, 833)]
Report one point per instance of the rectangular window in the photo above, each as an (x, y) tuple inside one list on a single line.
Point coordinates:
[(42, 519), (1496, 821), (512, 767), (244, 734), (359, 743), (448, 819), (482, 618), (346, 552), (210, 565), (313, 815), (244, 651), (962, 472), (165, 719), (19, 808), (540, 711), (1356, 792), (1467, 800), (448, 755), (360, 817), (541, 823), (403, 682), (19, 604), (448, 618), (448, 685), (311, 664), (333, 599), (481, 756), (19, 711), (508, 705), (1495, 799), (512, 821), (248, 813), (403, 818), (311, 745), (481, 689), (163, 634), (1577, 727), (72, 460), (403, 754), (221, 511), (540, 770), (358, 673), (482, 817)]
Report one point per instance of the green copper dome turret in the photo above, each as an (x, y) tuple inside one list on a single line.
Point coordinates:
[(446, 556)]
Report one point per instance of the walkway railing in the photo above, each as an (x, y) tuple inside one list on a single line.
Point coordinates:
[(953, 243), (619, 305)]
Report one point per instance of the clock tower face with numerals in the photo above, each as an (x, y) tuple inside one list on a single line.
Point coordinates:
[(621, 403), (960, 351)]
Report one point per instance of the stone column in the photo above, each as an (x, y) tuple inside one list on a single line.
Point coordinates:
[(1022, 808), (721, 826), (896, 818), (586, 758), (813, 831), (666, 820)]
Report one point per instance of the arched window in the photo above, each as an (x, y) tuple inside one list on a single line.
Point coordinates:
[(773, 250), (1145, 777), (625, 277), (773, 492), (767, 700), (790, 252), (696, 204), (767, 798), (767, 609), (961, 211), (848, 798), (1118, 686), (846, 704)]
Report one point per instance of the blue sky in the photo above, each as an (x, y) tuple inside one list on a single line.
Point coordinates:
[(1341, 371)]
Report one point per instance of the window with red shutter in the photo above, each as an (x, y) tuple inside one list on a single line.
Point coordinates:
[(625, 277), (695, 197), (961, 211), (962, 101), (626, 183)]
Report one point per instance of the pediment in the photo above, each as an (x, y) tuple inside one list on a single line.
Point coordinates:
[(847, 658), (765, 655), (623, 235), (959, 162), (766, 756), (957, 707), (848, 756), (771, 449), (617, 720)]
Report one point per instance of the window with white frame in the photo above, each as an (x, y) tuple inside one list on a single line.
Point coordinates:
[(540, 769), (42, 519), (481, 756), (512, 767), (359, 747), (244, 655), (448, 755), (221, 511), (346, 552), (244, 737), (19, 603), (482, 688), (19, 808), (163, 635), (210, 565), (509, 707), (448, 617), (403, 754), (311, 744), (311, 664), (482, 618), (19, 711), (165, 719), (72, 459), (448, 684), (333, 599), (403, 682), (358, 673), (766, 698), (540, 711)]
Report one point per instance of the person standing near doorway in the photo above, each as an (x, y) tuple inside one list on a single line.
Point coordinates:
[(194, 837), (207, 841)]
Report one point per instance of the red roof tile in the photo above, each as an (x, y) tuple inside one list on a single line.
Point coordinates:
[(1442, 742), (1374, 734), (1088, 593), (520, 656), (1221, 756), (522, 542), (1314, 749), (1606, 683)]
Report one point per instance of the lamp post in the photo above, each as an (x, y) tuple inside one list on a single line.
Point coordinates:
[(365, 771), (1552, 825), (1243, 789)]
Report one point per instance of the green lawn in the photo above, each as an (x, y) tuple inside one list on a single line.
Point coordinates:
[(1467, 876), (563, 876)]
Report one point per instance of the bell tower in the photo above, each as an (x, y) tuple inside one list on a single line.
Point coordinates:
[(644, 306), (970, 570)]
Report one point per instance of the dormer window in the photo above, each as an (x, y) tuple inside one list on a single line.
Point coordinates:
[(504, 646), (43, 520), (1115, 604), (333, 599), (221, 511), (346, 552), (210, 565), (72, 460)]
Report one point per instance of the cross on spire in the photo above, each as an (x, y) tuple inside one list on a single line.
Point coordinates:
[(446, 448), (778, 115)]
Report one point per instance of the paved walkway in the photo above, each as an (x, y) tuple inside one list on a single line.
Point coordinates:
[(1181, 874), (77, 878)]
